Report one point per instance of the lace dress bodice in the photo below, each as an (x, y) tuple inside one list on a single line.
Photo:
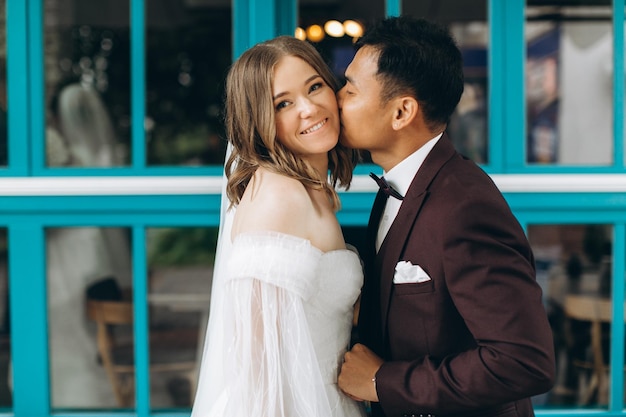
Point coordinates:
[(331, 308)]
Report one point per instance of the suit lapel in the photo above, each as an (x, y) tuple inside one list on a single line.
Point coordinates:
[(392, 248)]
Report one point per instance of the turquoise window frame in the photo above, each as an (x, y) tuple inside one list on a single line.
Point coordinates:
[(27, 216), (17, 88), (530, 210), (138, 166), (512, 92), (26, 234)]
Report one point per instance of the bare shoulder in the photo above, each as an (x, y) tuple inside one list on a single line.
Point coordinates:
[(274, 202), (280, 195)]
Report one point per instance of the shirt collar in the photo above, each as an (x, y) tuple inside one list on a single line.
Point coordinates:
[(401, 176)]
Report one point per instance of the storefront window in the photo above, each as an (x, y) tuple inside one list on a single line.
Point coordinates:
[(569, 82), (333, 28), (85, 265), (574, 270), (180, 265), (467, 21), (87, 83), (188, 52)]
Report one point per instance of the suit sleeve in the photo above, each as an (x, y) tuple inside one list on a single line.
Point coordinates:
[(488, 270)]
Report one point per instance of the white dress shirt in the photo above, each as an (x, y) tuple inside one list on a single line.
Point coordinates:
[(400, 178)]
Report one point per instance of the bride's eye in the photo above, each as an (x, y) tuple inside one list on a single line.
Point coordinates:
[(281, 105), (316, 87)]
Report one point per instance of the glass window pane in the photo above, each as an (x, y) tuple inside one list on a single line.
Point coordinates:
[(569, 82), (180, 264), (3, 87), (467, 21), (6, 397), (574, 270), (87, 83), (87, 265), (188, 53), (317, 20)]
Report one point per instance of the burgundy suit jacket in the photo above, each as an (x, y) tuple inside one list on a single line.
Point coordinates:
[(474, 340)]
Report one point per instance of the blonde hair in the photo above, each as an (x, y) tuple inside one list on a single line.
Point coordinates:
[(251, 122)]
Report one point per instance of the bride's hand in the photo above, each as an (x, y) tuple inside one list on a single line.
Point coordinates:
[(357, 375)]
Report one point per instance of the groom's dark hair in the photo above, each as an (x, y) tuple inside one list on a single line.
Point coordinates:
[(419, 58)]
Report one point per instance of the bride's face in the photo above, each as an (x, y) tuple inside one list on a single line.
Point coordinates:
[(307, 119)]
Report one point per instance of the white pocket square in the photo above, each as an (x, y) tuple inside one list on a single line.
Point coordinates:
[(407, 273)]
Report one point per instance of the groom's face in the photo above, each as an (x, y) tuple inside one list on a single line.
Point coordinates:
[(364, 117)]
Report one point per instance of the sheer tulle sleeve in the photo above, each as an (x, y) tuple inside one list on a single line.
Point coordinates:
[(264, 360)]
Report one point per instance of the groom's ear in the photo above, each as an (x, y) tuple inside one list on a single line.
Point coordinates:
[(405, 111)]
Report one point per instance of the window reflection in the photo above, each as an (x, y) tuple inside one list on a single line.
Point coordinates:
[(87, 82), (188, 51), (467, 21), (569, 87), (83, 264), (468, 124), (317, 19), (574, 270), (180, 263), (6, 398)]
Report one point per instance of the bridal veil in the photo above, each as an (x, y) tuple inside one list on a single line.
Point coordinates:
[(258, 354)]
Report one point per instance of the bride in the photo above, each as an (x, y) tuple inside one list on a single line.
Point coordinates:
[(285, 285)]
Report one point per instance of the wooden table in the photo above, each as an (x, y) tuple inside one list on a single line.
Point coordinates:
[(596, 310)]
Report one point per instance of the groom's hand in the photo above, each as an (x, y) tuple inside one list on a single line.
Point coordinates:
[(356, 377)]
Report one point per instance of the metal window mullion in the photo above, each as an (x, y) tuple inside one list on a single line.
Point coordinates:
[(393, 7), (36, 96), (138, 83), (253, 21), (616, 398), (241, 31), (262, 20), (496, 81), (286, 17), (17, 87), (513, 133), (140, 321), (28, 310), (618, 82)]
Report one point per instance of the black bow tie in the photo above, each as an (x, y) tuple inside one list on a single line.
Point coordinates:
[(386, 188)]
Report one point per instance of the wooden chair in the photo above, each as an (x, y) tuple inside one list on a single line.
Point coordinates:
[(173, 351), (596, 310)]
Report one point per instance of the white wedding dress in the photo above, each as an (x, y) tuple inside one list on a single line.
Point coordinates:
[(280, 323)]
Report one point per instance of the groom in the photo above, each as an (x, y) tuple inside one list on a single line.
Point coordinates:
[(451, 320)]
